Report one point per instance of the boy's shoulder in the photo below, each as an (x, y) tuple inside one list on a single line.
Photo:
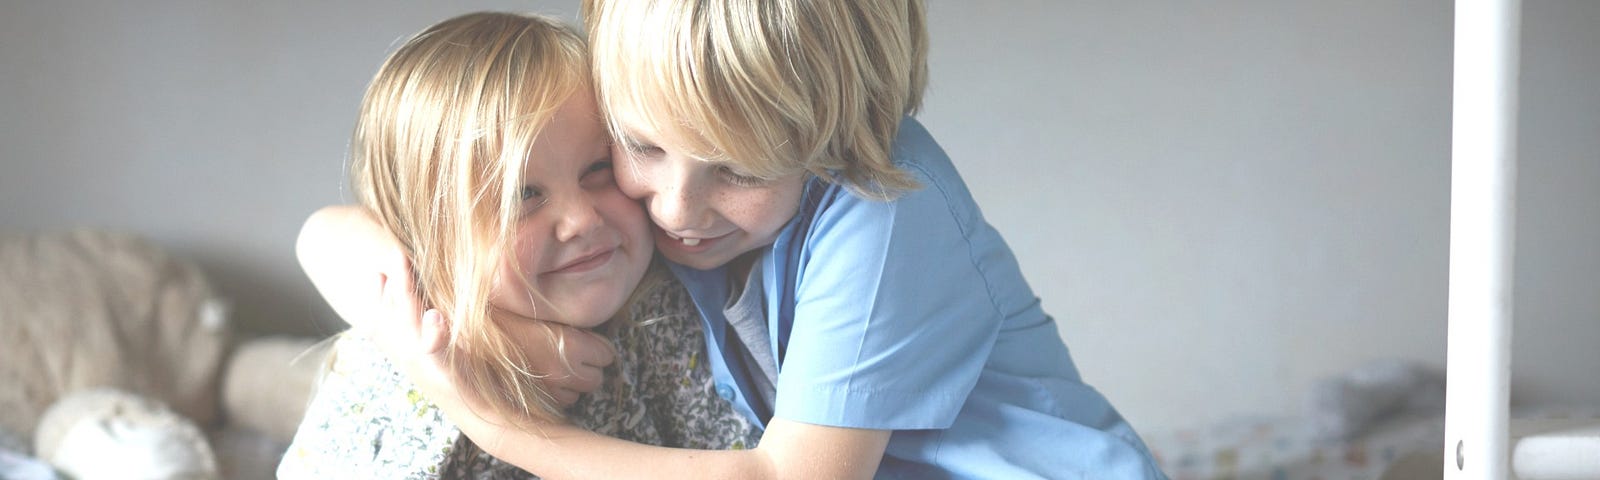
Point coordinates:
[(940, 186), (919, 154)]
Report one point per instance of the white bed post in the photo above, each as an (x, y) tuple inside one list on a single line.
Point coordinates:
[(1483, 150)]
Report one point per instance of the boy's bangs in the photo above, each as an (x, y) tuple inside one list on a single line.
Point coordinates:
[(692, 104), (657, 98), (647, 95)]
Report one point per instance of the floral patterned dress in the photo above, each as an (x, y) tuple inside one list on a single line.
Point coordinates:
[(367, 421)]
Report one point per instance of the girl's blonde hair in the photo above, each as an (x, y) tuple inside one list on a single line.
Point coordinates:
[(437, 157), (772, 86)]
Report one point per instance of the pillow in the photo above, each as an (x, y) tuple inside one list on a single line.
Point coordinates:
[(91, 309), (108, 433)]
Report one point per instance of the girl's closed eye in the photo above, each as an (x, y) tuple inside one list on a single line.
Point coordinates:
[(598, 175), (532, 198)]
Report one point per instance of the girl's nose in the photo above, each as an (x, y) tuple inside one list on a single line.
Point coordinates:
[(578, 218)]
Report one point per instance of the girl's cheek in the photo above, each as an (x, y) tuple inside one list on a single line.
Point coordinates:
[(630, 182), (623, 208)]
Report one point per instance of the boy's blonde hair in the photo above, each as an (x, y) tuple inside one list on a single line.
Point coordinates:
[(437, 157), (772, 86)]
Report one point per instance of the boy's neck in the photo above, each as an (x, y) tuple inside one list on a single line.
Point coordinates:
[(739, 269)]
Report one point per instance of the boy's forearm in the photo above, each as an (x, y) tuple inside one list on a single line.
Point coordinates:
[(788, 450), (565, 452)]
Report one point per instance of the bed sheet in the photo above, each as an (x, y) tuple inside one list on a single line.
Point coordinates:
[(1287, 449)]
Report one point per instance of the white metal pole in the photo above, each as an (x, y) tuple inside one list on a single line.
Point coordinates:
[(1483, 150)]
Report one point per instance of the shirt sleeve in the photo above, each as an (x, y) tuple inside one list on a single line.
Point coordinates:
[(893, 317)]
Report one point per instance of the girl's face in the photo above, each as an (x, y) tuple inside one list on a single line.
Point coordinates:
[(580, 244), (706, 213)]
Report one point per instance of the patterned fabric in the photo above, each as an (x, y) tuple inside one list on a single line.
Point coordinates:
[(368, 421)]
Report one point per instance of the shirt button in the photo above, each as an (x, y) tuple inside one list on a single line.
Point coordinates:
[(725, 391)]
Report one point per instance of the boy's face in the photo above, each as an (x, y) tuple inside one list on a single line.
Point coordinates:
[(706, 213), (580, 244)]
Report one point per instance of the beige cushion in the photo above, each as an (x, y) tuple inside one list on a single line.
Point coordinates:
[(94, 309), (267, 384)]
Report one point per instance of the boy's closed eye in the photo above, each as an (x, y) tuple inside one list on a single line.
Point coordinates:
[(641, 149), (735, 178)]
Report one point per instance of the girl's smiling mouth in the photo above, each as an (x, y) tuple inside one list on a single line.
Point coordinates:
[(586, 262)]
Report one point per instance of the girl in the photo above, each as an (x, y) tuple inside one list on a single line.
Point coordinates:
[(856, 303), (479, 157)]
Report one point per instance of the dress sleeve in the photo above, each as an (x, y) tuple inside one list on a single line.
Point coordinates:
[(893, 317)]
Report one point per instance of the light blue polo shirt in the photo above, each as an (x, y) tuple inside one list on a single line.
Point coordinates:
[(912, 316)]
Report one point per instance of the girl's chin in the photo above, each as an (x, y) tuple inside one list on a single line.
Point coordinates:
[(585, 320), (596, 310)]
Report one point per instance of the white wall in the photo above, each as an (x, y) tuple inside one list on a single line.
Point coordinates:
[(1219, 201), (1223, 201)]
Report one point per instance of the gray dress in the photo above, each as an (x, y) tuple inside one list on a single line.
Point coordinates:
[(367, 421)]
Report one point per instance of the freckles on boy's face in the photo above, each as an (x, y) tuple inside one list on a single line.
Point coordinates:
[(704, 214)]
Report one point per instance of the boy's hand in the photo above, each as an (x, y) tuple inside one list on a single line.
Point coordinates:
[(587, 354), (410, 332)]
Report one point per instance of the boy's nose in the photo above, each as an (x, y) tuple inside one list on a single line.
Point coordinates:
[(678, 210)]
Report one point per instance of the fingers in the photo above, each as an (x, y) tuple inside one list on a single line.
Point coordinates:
[(567, 385), (583, 379), (587, 354), (564, 398), (587, 348), (570, 361)]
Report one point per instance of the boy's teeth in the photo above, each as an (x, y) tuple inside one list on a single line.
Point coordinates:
[(691, 241)]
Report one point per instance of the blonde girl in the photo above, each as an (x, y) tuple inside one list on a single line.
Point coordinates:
[(484, 176)]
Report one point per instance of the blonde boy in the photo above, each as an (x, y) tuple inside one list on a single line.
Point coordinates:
[(855, 301)]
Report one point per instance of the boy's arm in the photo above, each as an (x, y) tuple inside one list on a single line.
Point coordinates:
[(348, 255), (788, 449), (352, 260)]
